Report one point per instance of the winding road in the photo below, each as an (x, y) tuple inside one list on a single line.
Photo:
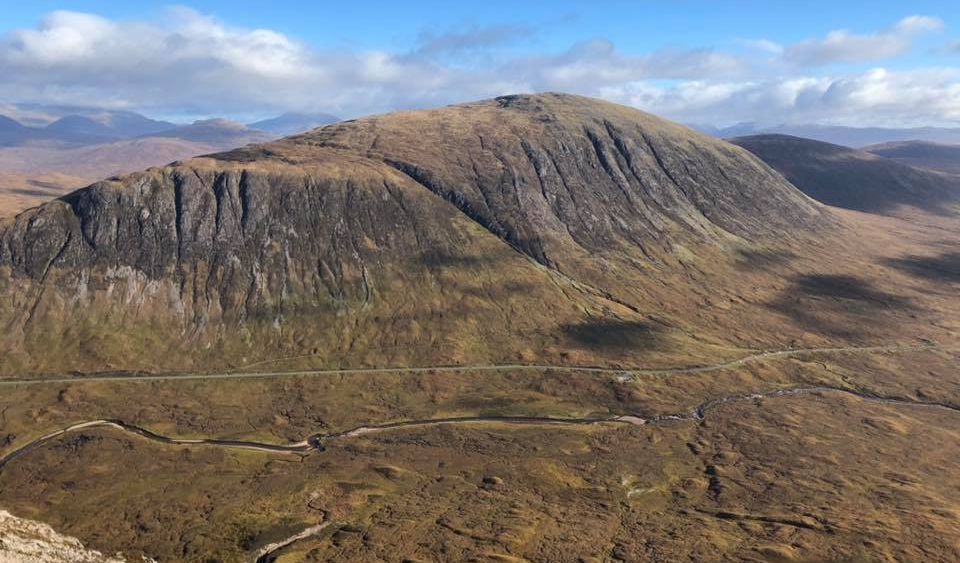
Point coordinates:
[(627, 371), (316, 442)]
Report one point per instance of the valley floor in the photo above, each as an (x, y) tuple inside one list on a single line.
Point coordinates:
[(814, 460), (842, 450)]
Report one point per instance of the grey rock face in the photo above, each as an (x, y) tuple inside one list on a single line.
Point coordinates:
[(335, 217)]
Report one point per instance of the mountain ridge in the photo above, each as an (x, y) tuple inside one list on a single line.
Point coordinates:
[(921, 154), (289, 246), (217, 131), (38, 164), (848, 136), (845, 177)]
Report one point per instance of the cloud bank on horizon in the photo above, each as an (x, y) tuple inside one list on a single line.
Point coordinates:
[(188, 63)]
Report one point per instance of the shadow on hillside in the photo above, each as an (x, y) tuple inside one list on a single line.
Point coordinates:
[(837, 305), (747, 259), (441, 258), (501, 291), (851, 179), (31, 193), (613, 335), (850, 288), (942, 268)]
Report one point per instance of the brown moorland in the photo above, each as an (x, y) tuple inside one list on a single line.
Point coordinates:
[(778, 378), (35, 174), (511, 230)]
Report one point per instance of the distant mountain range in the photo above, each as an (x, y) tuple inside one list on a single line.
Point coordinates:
[(921, 154), (291, 123), (218, 132), (75, 130), (854, 137), (58, 149), (853, 179), (69, 126)]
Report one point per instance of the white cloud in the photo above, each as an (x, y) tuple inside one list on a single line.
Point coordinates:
[(841, 46), (197, 63), (918, 24), (875, 97), (62, 37), (192, 64), (765, 45), (599, 63)]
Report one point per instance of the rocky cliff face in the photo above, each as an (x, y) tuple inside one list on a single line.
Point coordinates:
[(446, 233), (546, 171)]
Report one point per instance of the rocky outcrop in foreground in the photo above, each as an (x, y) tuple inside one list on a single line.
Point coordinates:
[(26, 541)]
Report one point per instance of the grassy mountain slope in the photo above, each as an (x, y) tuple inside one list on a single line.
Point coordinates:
[(522, 228)]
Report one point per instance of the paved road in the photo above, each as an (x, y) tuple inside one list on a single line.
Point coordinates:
[(316, 442), (772, 354)]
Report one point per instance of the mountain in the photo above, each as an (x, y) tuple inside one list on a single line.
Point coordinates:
[(72, 130), (291, 123), (109, 125), (119, 123), (9, 124), (31, 175), (13, 134), (71, 127), (856, 137), (521, 227), (220, 132), (921, 154), (91, 126), (37, 163), (131, 124), (852, 179), (77, 124), (11, 131), (737, 130)]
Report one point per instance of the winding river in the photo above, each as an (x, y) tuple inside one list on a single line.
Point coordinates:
[(316, 442)]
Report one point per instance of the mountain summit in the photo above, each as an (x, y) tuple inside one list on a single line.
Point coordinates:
[(477, 232)]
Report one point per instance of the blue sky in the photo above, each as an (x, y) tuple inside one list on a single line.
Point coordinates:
[(855, 62), (635, 25)]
